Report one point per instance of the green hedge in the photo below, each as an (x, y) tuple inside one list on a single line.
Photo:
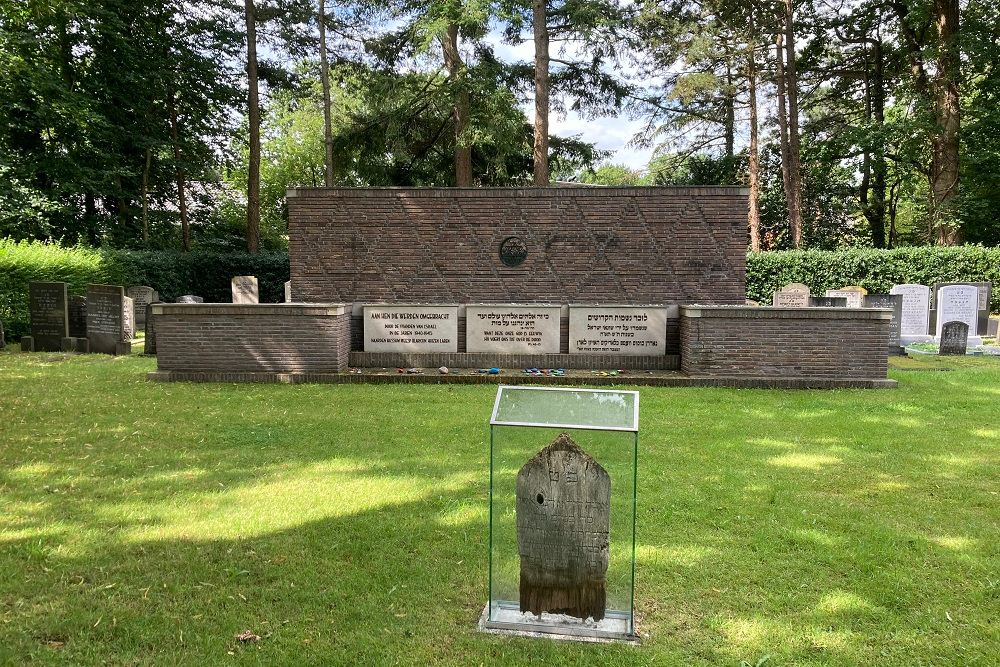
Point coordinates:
[(172, 274), (875, 270)]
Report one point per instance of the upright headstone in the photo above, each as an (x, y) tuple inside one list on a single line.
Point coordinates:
[(140, 296), (957, 303), (993, 328), (794, 295), (78, 316), (106, 319), (149, 346), (563, 528), (288, 292), (190, 298), (245, 289), (914, 324), (893, 302), (854, 294), (49, 304), (128, 318), (983, 308), (954, 338), (828, 302)]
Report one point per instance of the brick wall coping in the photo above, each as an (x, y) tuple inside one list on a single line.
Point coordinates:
[(768, 312), (547, 192), (282, 309)]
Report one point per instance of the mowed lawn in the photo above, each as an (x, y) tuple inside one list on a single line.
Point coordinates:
[(145, 523)]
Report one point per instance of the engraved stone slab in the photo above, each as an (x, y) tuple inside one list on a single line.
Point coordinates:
[(288, 292), (512, 329), (893, 302), (128, 318), (855, 295), (915, 320), (190, 298), (957, 303), (954, 338), (410, 328), (49, 307), (793, 295), (78, 316), (827, 302), (245, 289), (140, 296), (625, 330), (106, 319), (983, 319), (563, 528)]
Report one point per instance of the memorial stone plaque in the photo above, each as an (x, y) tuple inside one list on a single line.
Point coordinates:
[(512, 329), (190, 298), (827, 302), (957, 303), (140, 296), (106, 319), (795, 295), (993, 327), (245, 289), (915, 320), (49, 306), (288, 292), (625, 330), (855, 295), (954, 338), (128, 318), (150, 342), (78, 316), (563, 530), (893, 302), (983, 314), (410, 328)]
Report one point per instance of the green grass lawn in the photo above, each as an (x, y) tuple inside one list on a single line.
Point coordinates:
[(147, 523)]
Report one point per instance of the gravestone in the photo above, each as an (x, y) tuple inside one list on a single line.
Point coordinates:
[(27, 344), (140, 296), (793, 295), (409, 328), (106, 319), (827, 302), (49, 304), (993, 328), (854, 294), (245, 289), (288, 292), (563, 531), (915, 320), (624, 330), (957, 303), (78, 316), (150, 341), (983, 309), (893, 302), (512, 329), (751, 302), (954, 338), (190, 298), (128, 318)]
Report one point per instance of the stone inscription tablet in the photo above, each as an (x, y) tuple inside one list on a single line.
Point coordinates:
[(854, 295), (958, 303), (790, 300), (893, 302), (140, 296), (626, 330), (916, 304), (563, 530), (512, 329), (954, 338), (49, 307), (105, 318), (245, 289), (406, 328)]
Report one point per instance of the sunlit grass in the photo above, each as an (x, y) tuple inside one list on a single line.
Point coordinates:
[(146, 523)]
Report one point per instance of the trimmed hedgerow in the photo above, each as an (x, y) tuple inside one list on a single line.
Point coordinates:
[(875, 270), (207, 274)]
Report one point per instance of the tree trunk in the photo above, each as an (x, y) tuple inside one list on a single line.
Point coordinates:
[(730, 104), (181, 177), (779, 81), (794, 153), (145, 196), (541, 149), (754, 157), (461, 108), (873, 206), (253, 114), (324, 72), (945, 143)]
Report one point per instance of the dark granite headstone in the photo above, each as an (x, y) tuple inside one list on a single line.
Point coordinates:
[(993, 327), (828, 302), (954, 338), (982, 312), (78, 345), (140, 296), (106, 319), (27, 344), (190, 298), (893, 302), (150, 346), (563, 523), (78, 316), (49, 315)]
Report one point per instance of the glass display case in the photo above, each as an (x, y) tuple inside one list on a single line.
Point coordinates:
[(563, 468)]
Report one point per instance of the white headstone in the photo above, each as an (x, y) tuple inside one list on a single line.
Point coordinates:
[(916, 309), (288, 292), (512, 329), (245, 289), (410, 328), (626, 330), (957, 303)]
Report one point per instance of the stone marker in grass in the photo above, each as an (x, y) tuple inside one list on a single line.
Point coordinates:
[(954, 338), (128, 318), (914, 324), (49, 306), (563, 522), (106, 319), (141, 295)]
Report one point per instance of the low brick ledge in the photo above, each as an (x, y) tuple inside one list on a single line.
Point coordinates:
[(282, 309), (542, 192), (669, 362), (778, 313), (673, 380)]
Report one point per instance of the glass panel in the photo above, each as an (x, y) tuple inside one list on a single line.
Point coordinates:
[(567, 408)]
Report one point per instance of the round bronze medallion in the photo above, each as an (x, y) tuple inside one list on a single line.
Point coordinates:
[(513, 251)]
